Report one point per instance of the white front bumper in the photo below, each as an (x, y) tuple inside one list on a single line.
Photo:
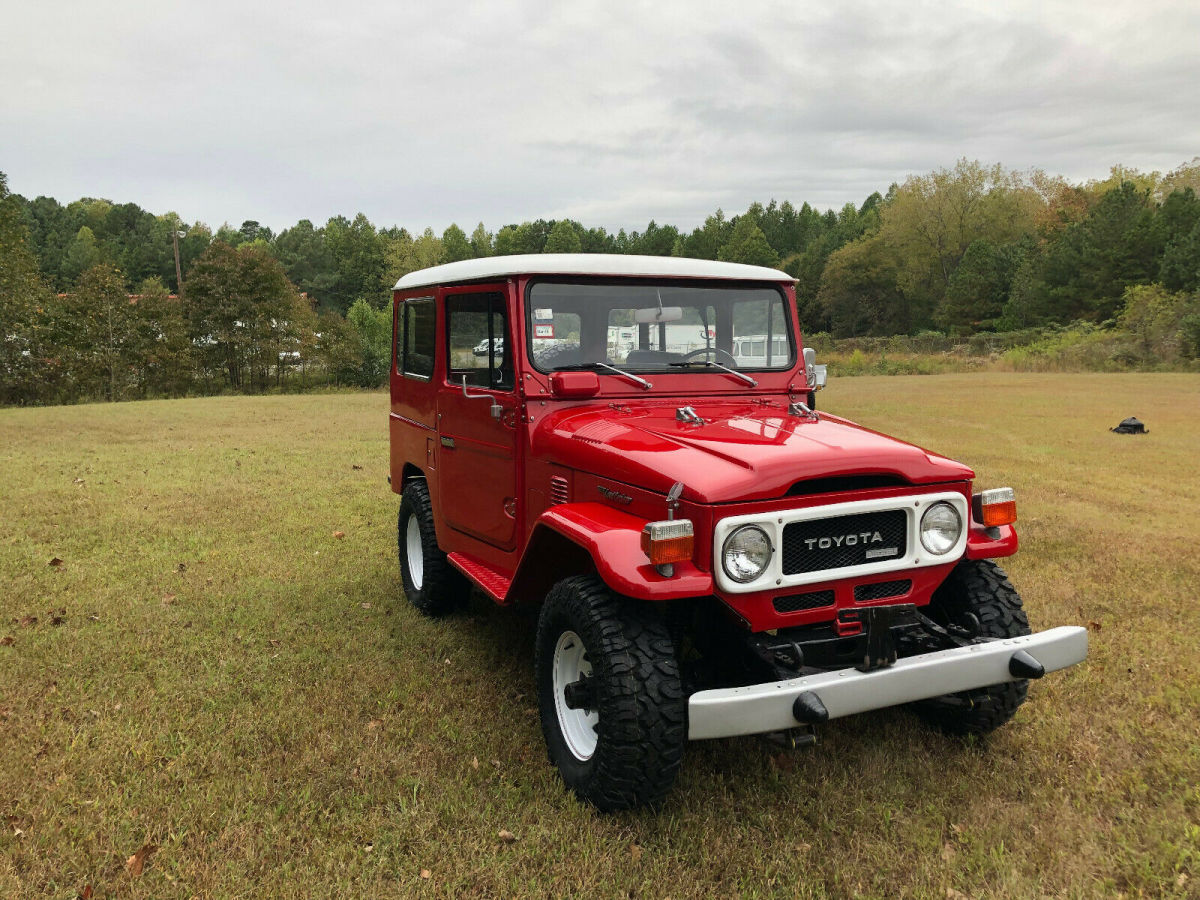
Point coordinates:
[(757, 708)]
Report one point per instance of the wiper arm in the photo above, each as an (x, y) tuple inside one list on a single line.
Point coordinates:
[(580, 367), (708, 363)]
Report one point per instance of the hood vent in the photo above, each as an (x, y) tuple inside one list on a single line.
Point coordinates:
[(560, 491), (840, 483)]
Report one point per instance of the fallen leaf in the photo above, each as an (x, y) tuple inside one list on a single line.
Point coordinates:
[(86, 893), (94, 618), (368, 846), (77, 481), (56, 620), (948, 852), (7, 641), (1093, 626), (181, 567), (55, 562), (168, 599), (273, 642), (373, 724), (355, 466), (1181, 879), (136, 863), (952, 894), (475, 762), (506, 836), (425, 873), (339, 534), (365, 605), (27, 621), (635, 851)]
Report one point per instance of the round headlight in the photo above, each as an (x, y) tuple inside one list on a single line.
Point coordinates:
[(941, 527), (746, 553)]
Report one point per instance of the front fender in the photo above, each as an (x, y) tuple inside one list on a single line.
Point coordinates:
[(612, 539)]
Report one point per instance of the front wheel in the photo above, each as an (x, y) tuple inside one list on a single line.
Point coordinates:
[(977, 595), (611, 700)]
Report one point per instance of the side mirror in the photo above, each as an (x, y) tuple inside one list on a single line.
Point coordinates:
[(814, 375)]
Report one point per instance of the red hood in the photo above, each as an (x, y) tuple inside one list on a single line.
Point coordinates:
[(743, 451)]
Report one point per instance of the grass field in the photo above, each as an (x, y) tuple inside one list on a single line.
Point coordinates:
[(214, 673)]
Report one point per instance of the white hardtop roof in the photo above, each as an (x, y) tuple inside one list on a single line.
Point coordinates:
[(488, 267)]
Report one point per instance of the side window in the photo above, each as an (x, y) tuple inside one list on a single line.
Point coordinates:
[(415, 341), (478, 336)]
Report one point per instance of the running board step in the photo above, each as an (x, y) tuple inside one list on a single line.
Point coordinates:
[(491, 581)]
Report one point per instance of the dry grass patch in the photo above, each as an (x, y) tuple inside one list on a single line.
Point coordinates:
[(213, 673)]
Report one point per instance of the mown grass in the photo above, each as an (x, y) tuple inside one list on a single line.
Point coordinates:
[(213, 672)]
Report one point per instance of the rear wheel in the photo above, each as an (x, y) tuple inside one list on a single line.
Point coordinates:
[(611, 700), (977, 595), (431, 584)]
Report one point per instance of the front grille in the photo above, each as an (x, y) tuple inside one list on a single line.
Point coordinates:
[(797, 602), (841, 541), (865, 593)]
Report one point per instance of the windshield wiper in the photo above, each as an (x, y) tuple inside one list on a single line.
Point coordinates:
[(605, 367), (708, 363)]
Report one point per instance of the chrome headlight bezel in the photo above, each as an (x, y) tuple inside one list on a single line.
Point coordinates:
[(765, 548), (935, 528)]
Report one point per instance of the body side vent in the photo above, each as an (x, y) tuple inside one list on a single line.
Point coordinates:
[(560, 490)]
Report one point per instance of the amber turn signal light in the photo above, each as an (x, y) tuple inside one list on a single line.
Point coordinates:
[(995, 507), (666, 542)]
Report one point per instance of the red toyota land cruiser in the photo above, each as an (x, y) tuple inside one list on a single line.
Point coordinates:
[(633, 442)]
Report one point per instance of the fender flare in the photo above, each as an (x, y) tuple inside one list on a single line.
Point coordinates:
[(611, 540)]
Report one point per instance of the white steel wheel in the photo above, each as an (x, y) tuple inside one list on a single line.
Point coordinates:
[(578, 726), (415, 552)]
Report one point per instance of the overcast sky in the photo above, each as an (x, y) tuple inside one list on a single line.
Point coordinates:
[(611, 113)]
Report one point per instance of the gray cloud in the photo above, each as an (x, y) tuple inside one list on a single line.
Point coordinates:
[(611, 113)]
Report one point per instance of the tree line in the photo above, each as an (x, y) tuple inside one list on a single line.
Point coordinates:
[(111, 301)]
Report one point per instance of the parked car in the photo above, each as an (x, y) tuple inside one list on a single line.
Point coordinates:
[(712, 555), (481, 349)]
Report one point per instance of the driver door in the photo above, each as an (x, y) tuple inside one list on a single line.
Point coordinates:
[(478, 447)]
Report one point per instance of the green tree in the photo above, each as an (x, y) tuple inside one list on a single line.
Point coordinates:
[(239, 307), (96, 334), (82, 254), (931, 220), (359, 254), (748, 245), (373, 331), (563, 238), (979, 287), (403, 253), (481, 241), (308, 261), (161, 353), (860, 291), (455, 246), (23, 298)]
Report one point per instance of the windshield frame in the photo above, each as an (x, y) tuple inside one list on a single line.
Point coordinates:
[(667, 368)]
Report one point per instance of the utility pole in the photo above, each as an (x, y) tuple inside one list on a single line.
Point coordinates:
[(178, 270)]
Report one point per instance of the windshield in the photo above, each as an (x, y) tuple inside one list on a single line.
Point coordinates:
[(656, 328)]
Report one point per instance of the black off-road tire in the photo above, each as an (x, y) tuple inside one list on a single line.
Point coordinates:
[(979, 588), (637, 690), (438, 588)]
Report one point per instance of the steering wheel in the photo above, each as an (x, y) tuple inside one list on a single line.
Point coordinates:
[(711, 351)]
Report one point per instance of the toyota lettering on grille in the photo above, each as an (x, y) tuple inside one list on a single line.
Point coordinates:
[(848, 540)]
